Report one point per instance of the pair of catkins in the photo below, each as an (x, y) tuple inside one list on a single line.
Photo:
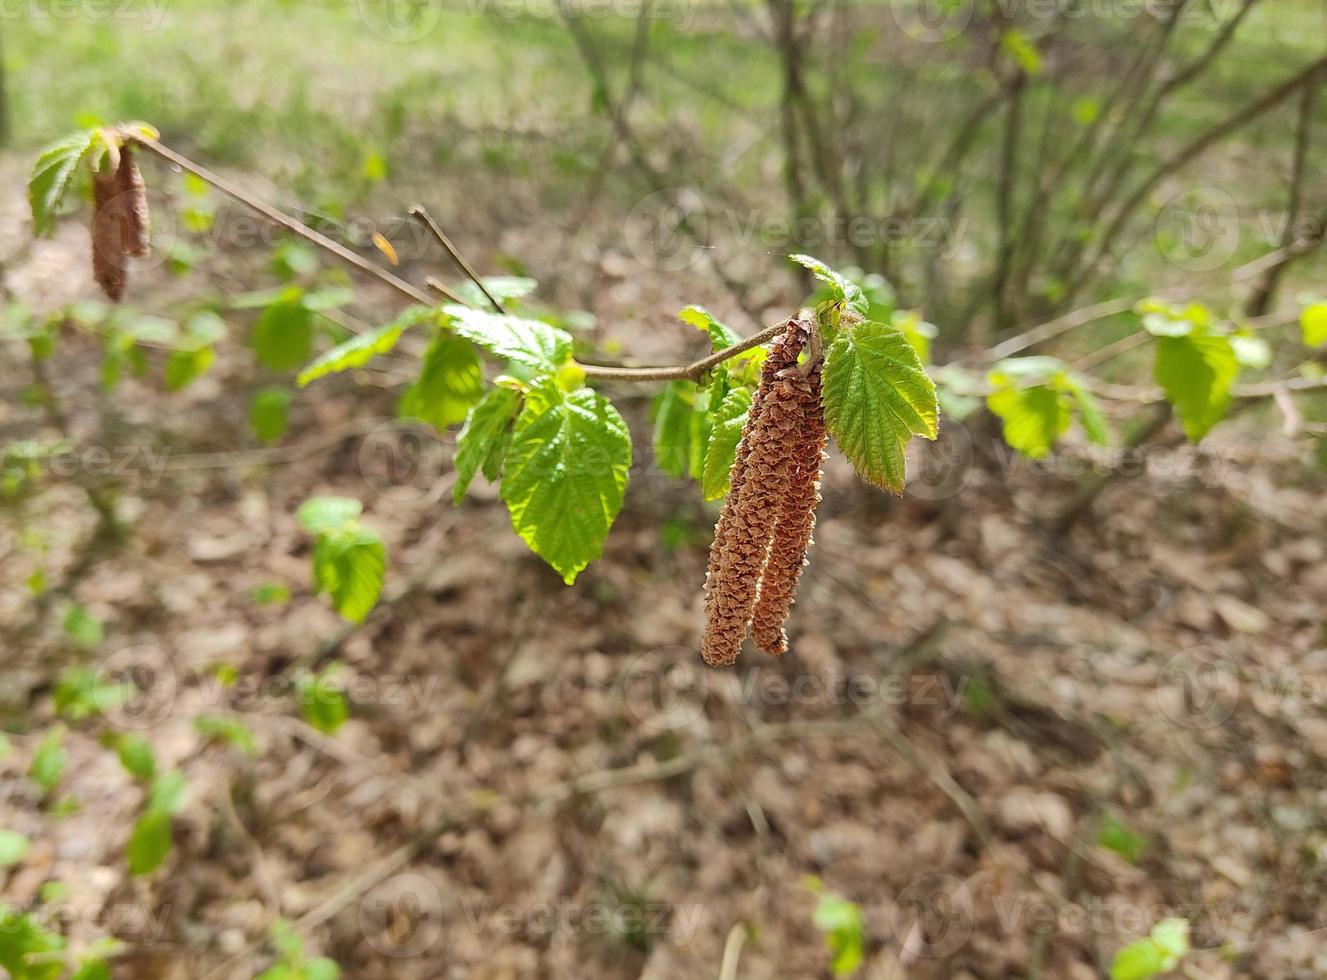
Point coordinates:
[(119, 221), (765, 527)]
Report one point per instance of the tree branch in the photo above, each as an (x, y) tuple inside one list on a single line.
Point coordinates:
[(292, 225)]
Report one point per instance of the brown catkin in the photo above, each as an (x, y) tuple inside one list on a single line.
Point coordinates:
[(797, 519), (108, 265), (132, 192), (781, 355), (766, 459)]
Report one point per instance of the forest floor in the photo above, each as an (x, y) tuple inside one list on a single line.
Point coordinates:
[(1016, 749)]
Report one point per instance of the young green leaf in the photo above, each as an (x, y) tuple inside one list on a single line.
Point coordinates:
[(844, 927), (877, 397), (83, 628), (503, 288), (1313, 324), (451, 380), (232, 731), (53, 173), (1153, 955), (359, 350), (484, 437), (184, 367), (136, 756), (672, 427), (1090, 416), (149, 842), (13, 846), (324, 515), (268, 413), (282, 337), (1196, 371), (1034, 418), (565, 475), (727, 421), (21, 936), (49, 760), (530, 342), (841, 287), (323, 702), (721, 336), (1115, 836), (349, 565)]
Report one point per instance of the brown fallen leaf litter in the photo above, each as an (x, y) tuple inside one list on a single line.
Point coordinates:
[(967, 704)]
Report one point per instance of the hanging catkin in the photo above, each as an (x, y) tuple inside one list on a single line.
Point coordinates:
[(772, 452), (797, 519), (108, 265), (133, 202)]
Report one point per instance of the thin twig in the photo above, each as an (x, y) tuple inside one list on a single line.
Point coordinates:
[(290, 224), (688, 372), (423, 217), (732, 951)]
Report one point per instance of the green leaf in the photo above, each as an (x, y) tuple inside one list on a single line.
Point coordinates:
[(1117, 837), (49, 761), (323, 702), (321, 968), (228, 730), (327, 299), (92, 970), (359, 350), (1090, 416), (1023, 51), (167, 793), (672, 427), (52, 174), (486, 434), (845, 932), (565, 475), (503, 288), (21, 936), (323, 515), (136, 756), (79, 694), (721, 336), (1196, 371), (282, 337), (1313, 324), (83, 628), (451, 380), (841, 287), (727, 420), (1034, 418), (918, 332), (877, 397), (204, 329), (149, 842), (349, 566), (1158, 953), (184, 367), (1250, 351), (271, 594), (13, 846), (530, 342), (268, 414)]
